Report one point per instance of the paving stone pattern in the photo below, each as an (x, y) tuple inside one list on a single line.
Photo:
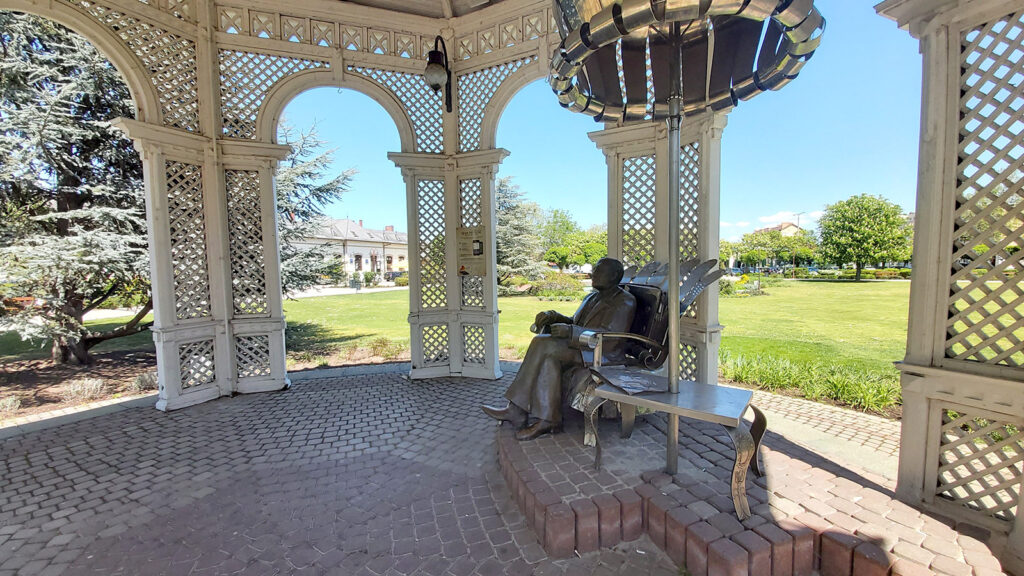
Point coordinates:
[(810, 513), (879, 434), (363, 475)]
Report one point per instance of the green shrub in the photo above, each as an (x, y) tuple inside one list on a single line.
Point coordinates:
[(800, 273), (558, 285), (143, 382), (887, 274), (726, 288), (370, 278), (386, 348), (905, 273), (83, 389), (860, 388), (402, 281), (9, 405)]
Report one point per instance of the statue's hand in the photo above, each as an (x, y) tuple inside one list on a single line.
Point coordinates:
[(561, 330), (543, 318)]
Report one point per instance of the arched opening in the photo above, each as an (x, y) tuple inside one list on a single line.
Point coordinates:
[(74, 249), (552, 208), (342, 221)]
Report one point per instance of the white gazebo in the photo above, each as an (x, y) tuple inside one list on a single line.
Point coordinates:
[(210, 79)]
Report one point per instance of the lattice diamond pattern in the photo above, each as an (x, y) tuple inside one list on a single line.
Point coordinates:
[(688, 361), (471, 214), (474, 344), (252, 356), (470, 207), (196, 363), (170, 60), (430, 224), (475, 91), (689, 200), (423, 105), (245, 238), (980, 463), (986, 303), (638, 201), (246, 77), (188, 240), (472, 292), (435, 344)]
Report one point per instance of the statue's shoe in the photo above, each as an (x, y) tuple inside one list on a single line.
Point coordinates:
[(536, 430), (510, 413)]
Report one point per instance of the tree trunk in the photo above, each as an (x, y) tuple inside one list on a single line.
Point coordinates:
[(856, 278)]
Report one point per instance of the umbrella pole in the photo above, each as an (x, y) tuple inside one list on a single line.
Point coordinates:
[(675, 102)]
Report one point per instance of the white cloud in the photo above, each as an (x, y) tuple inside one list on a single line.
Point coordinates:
[(742, 224), (724, 224)]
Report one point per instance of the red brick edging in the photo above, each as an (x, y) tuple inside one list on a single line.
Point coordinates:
[(718, 544)]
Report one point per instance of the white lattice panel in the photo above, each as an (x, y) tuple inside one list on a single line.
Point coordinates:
[(435, 344), (689, 200), (474, 344), (475, 91), (423, 105), (245, 238), (181, 9), (638, 202), (471, 214), (196, 363), (986, 303), (187, 225), (980, 463), (470, 206), (252, 356), (246, 77), (430, 225), (688, 361), (169, 59)]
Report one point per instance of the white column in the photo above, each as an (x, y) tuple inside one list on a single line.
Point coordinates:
[(254, 302), (938, 378), (457, 348), (628, 147), (187, 322)]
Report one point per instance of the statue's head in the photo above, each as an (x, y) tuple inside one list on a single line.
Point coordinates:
[(607, 273)]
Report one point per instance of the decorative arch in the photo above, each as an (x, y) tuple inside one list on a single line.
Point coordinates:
[(502, 96), (283, 92), (128, 65)]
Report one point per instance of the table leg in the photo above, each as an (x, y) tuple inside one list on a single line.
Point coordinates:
[(628, 413), (757, 429), (745, 447)]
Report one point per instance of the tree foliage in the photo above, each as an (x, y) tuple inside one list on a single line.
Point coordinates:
[(517, 240), (864, 229), (73, 219), (558, 225), (304, 190)]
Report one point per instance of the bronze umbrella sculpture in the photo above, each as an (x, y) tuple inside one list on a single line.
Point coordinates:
[(634, 60)]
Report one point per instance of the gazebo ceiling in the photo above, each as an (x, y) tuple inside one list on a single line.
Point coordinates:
[(430, 8)]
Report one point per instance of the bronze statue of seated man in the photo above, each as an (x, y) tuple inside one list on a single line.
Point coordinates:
[(537, 388)]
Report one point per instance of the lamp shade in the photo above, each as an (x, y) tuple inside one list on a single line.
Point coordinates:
[(436, 73)]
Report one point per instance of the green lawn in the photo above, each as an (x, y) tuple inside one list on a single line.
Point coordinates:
[(861, 324), (853, 323)]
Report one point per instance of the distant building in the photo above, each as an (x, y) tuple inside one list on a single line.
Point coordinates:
[(787, 229), (363, 249)]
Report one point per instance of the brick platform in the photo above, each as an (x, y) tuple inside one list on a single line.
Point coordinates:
[(810, 514)]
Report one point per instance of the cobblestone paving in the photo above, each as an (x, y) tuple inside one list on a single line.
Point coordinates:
[(879, 434), (358, 475)]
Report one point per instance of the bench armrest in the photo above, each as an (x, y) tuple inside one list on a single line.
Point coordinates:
[(595, 340)]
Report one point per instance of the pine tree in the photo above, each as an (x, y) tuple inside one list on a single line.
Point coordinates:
[(518, 243), (72, 215), (303, 192)]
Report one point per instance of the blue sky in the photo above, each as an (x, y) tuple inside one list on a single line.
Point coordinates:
[(848, 125)]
